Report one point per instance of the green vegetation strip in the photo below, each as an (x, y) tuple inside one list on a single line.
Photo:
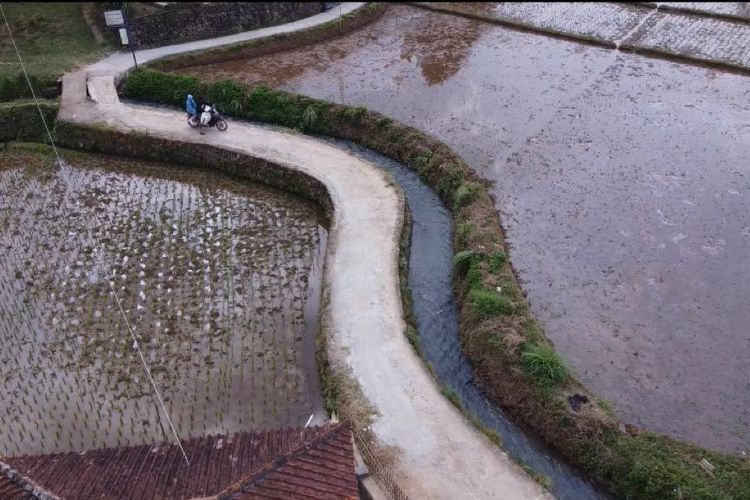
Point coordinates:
[(20, 120), (515, 364), (52, 37)]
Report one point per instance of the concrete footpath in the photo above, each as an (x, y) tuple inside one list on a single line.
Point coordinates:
[(121, 62), (436, 452)]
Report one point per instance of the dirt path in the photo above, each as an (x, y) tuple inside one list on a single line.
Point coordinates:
[(88, 11)]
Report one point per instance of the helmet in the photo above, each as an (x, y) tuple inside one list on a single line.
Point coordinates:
[(190, 96)]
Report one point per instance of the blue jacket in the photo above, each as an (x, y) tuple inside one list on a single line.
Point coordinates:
[(190, 105)]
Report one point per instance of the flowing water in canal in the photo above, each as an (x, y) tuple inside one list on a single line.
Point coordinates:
[(219, 279), (623, 183), (430, 283)]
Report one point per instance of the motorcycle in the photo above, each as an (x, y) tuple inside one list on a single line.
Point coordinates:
[(216, 120)]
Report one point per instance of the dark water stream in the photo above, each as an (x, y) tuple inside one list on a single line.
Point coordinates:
[(430, 282)]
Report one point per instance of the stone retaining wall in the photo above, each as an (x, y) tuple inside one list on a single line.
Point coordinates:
[(101, 139), (196, 21)]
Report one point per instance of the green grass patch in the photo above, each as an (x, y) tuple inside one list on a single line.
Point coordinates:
[(652, 466), (543, 364), (497, 259), (309, 117), (465, 194), (20, 120), (607, 407), (474, 278), (53, 38), (463, 259), (463, 233), (488, 304)]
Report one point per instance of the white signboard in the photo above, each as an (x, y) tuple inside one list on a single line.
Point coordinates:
[(124, 36), (113, 18)]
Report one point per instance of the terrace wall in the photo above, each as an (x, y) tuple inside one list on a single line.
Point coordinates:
[(195, 21), (19, 120)]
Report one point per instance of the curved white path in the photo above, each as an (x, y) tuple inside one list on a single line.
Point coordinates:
[(438, 454)]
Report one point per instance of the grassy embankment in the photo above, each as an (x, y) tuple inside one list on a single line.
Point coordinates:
[(53, 38), (518, 368)]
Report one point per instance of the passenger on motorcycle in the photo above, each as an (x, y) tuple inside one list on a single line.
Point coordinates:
[(207, 116)]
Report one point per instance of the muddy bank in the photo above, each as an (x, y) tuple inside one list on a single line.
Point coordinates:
[(218, 277), (622, 185)]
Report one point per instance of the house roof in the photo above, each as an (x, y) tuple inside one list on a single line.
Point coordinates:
[(11, 490), (316, 462)]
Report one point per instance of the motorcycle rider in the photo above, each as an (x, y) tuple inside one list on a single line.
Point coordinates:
[(191, 107)]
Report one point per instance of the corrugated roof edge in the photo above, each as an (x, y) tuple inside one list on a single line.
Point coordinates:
[(25, 483), (252, 476)]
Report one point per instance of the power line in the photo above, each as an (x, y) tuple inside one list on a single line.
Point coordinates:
[(95, 246)]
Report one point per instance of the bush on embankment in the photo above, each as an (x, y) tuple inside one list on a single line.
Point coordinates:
[(514, 362), (20, 120), (15, 86)]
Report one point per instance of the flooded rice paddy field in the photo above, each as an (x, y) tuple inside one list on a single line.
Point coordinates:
[(623, 183), (219, 279)]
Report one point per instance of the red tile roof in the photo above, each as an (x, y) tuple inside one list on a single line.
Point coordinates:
[(320, 468), (317, 462), (14, 486), (11, 490)]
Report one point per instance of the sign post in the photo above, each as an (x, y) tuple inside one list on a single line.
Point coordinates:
[(118, 19)]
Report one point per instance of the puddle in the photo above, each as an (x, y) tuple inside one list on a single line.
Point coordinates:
[(623, 183), (219, 279)]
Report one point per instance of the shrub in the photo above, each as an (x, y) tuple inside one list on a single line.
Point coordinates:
[(464, 195), (16, 87), (474, 278), (151, 85), (489, 304), (423, 159), (227, 94), (463, 233), (497, 259), (462, 260), (309, 117), (543, 364), (20, 120), (355, 114), (384, 122)]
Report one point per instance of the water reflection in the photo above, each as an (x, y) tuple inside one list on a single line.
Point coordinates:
[(441, 47)]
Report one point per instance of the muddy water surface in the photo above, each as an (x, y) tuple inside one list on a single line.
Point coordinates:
[(624, 186), (218, 278)]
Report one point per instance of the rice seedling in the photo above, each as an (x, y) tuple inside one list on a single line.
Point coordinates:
[(186, 249)]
